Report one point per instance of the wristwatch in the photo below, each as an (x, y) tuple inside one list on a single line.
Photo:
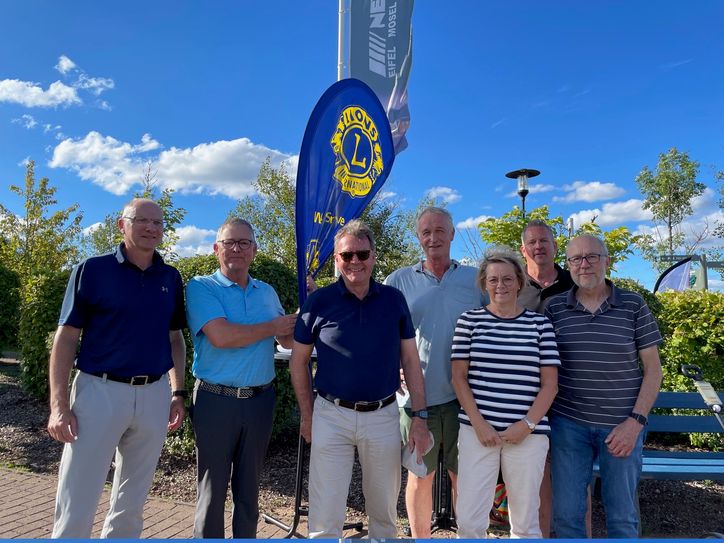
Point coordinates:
[(421, 414), (643, 421), (529, 423), (183, 393)]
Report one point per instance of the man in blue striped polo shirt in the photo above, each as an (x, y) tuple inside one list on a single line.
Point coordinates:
[(609, 379)]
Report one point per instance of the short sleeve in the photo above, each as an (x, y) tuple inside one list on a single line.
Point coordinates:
[(202, 305), (303, 329), (462, 338), (646, 330), (74, 310)]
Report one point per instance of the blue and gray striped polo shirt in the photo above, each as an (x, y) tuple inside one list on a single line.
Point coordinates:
[(600, 376)]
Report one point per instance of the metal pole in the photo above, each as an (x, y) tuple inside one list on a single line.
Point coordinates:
[(340, 41)]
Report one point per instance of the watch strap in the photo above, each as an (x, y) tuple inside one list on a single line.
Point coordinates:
[(183, 393), (643, 421)]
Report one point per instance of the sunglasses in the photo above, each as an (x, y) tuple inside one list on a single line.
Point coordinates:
[(361, 255)]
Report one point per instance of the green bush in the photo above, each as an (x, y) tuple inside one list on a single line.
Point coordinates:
[(284, 282), (649, 297), (9, 308), (42, 298)]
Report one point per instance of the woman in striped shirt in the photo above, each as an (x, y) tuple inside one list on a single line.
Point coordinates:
[(505, 374)]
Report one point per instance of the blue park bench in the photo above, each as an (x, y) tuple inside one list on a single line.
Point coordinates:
[(682, 465)]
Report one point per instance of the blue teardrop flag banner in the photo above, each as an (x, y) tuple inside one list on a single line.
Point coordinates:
[(347, 154)]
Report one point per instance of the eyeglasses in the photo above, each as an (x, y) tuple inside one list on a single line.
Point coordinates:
[(361, 255), (592, 258), (229, 244), (506, 281), (142, 221)]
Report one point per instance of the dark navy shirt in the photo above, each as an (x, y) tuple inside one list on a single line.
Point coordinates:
[(125, 313), (357, 341)]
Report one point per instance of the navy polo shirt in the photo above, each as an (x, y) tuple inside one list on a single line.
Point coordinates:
[(357, 341), (125, 313)]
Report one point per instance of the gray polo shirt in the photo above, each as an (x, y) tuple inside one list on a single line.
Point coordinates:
[(600, 376), (435, 306)]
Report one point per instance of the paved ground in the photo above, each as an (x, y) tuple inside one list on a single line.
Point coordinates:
[(27, 502)]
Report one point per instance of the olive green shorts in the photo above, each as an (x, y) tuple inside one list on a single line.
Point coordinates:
[(443, 423)]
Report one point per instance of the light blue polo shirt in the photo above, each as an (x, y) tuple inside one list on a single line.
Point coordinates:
[(435, 305), (210, 297)]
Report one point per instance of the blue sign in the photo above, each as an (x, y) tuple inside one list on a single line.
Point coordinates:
[(346, 156)]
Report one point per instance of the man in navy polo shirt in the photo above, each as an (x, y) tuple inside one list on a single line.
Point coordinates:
[(233, 318), (608, 381), (129, 307), (362, 332)]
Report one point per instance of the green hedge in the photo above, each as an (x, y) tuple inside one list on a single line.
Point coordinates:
[(284, 282), (42, 298), (9, 308)]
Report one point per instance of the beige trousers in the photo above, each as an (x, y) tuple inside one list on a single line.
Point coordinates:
[(336, 431), (478, 468)]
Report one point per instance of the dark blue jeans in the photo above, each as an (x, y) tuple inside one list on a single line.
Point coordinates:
[(574, 448)]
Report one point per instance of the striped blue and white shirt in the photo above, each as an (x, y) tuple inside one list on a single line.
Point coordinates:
[(600, 377), (505, 357)]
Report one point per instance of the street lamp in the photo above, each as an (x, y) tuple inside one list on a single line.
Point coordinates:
[(522, 176)]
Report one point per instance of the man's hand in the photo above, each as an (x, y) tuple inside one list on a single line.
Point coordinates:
[(622, 439), (305, 429), (176, 413), (62, 425), (284, 325), (419, 438), (515, 433), (487, 435)]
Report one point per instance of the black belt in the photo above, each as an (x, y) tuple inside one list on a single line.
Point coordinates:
[(234, 392), (136, 380), (357, 406)]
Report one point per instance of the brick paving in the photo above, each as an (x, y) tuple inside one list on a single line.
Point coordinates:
[(27, 501)]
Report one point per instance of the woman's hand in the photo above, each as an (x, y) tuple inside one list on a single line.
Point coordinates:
[(515, 433), (487, 435)]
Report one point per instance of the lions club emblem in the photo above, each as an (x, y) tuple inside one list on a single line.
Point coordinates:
[(356, 145)]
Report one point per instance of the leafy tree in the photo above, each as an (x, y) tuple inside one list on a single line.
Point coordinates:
[(106, 237), (668, 193), (271, 212), (507, 230), (39, 239)]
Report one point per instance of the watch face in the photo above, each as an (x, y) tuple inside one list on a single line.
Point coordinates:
[(422, 413)]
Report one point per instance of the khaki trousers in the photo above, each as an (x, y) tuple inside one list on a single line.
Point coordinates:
[(336, 431)]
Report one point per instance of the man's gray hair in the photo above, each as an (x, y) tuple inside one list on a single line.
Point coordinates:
[(236, 221), (604, 249), (357, 229), (436, 210), (537, 223)]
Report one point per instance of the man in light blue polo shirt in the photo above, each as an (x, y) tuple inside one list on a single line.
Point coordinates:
[(234, 319), (437, 290)]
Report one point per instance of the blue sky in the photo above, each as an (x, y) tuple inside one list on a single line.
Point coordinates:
[(587, 92)]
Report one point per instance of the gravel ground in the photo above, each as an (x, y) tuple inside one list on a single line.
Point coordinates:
[(671, 509)]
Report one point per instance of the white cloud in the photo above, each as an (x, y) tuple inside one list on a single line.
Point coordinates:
[(614, 214), (49, 127), (64, 64), (221, 167), (446, 194), (24, 162), (29, 94), (27, 121), (385, 195), (471, 223), (536, 188), (592, 191), (96, 85), (88, 230), (194, 241)]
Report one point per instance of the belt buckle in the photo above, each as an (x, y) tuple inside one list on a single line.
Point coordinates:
[(135, 384), (244, 393)]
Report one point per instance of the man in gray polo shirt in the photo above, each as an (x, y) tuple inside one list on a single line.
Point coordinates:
[(606, 337), (437, 290)]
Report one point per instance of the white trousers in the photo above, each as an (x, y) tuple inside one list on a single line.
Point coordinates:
[(478, 468), (130, 421), (336, 431)]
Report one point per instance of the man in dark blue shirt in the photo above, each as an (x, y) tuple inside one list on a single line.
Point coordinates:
[(362, 331), (129, 307)]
